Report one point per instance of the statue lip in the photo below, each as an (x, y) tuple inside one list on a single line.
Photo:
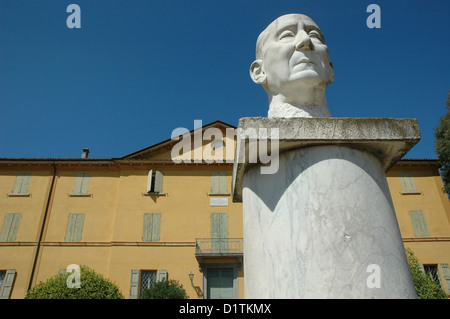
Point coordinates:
[(305, 61)]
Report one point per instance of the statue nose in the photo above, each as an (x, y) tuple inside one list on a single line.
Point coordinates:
[(304, 43)]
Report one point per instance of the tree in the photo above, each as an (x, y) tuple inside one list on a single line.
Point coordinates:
[(426, 287), (442, 146), (165, 289), (92, 286)]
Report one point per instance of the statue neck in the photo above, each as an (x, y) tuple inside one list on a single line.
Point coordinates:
[(310, 103)]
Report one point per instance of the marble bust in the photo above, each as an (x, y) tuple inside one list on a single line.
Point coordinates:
[(293, 66)]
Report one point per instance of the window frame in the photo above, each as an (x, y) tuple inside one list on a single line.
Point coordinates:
[(22, 180), (10, 227), (219, 185), (81, 185), (407, 183), (155, 182)]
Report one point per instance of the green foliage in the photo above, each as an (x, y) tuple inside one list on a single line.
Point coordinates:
[(426, 287), (92, 286), (442, 146), (165, 289)]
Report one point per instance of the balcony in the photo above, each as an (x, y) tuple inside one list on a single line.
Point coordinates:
[(218, 248)]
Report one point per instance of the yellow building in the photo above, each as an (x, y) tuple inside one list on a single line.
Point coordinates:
[(154, 214)]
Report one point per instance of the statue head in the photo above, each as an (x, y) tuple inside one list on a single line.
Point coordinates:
[(293, 65)]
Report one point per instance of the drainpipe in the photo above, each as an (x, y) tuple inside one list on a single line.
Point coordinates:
[(50, 193)]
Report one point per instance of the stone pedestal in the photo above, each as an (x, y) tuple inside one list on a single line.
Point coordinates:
[(323, 225)]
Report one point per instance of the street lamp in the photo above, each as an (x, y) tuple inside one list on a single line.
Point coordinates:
[(191, 277)]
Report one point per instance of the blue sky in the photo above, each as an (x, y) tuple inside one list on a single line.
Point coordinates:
[(137, 70)]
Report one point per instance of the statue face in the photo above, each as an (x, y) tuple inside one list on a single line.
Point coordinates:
[(292, 53)]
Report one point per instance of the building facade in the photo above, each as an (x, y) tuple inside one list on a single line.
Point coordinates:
[(166, 212)]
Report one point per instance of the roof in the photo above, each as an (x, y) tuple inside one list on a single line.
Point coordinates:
[(130, 157), (170, 141)]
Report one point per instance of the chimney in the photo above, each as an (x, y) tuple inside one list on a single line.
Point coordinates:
[(85, 153)]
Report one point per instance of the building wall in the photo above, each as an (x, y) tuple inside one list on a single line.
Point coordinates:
[(433, 249), (112, 232)]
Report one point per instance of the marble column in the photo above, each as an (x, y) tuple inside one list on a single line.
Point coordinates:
[(323, 225)]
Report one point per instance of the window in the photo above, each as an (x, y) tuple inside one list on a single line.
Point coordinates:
[(144, 279), (10, 226), (6, 282), (81, 186), (155, 182), (407, 181), (432, 271), (219, 225), (21, 185), (74, 228), (152, 223), (148, 279), (219, 233), (2, 278), (419, 224), (219, 183)]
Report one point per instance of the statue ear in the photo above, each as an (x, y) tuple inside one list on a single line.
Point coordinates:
[(257, 73), (331, 75)]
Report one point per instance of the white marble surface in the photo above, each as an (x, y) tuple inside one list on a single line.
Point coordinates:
[(389, 138), (293, 66), (312, 229)]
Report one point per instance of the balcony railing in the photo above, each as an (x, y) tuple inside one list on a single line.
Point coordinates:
[(209, 247)]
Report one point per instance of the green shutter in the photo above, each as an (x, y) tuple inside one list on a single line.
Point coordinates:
[(10, 227), (214, 183), (156, 226), (407, 182), (81, 186), (14, 227), (159, 182), (215, 226), (134, 283), (77, 185), (161, 275), (85, 183), (18, 184), (70, 227), (146, 234), (445, 270), (22, 183), (78, 230), (219, 232), (419, 224), (219, 225), (149, 181), (151, 227), (74, 228), (223, 183), (8, 282), (218, 183)]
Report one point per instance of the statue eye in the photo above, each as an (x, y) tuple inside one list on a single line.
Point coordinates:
[(315, 34), (287, 35)]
